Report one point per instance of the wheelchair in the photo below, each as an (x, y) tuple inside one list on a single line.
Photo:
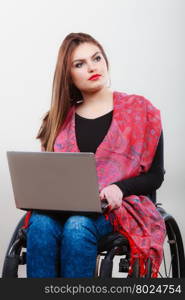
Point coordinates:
[(110, 247)]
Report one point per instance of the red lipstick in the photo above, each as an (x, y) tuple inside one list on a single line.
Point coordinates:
[(95, 76)]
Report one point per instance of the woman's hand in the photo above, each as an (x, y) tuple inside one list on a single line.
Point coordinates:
[(113, 195)]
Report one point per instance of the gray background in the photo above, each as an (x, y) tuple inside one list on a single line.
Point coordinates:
[(144, 41)]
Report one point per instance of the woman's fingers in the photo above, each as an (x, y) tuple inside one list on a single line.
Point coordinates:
[(102, 195), (113, 195)]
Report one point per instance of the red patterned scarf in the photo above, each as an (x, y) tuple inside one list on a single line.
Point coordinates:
[(126, 151)]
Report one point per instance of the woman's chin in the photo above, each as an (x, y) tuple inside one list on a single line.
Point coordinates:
[(95, 88)]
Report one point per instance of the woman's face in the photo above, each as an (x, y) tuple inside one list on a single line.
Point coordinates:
[(86, 61)]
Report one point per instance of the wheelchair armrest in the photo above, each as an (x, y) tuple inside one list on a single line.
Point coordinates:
[(111, 240)]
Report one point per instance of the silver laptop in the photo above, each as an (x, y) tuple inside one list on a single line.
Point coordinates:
[(55, 181)]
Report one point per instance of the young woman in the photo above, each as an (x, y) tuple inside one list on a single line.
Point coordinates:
[(125, 134)]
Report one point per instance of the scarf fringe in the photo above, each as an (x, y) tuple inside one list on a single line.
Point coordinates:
[(142, 260), (136, 254)]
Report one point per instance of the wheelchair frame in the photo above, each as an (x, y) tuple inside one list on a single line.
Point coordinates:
[(108, 247)]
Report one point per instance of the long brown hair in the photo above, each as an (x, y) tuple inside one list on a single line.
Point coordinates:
[(64, 92)]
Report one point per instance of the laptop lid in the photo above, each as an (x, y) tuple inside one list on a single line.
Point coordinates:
[(56, 181)]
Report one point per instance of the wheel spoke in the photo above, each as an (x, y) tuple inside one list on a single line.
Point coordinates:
[(170, 267), (160, 274), (164, 261)]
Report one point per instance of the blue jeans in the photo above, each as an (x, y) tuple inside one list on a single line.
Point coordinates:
[(64, 246)]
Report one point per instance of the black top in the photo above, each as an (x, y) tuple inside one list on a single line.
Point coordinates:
[(91, 132)]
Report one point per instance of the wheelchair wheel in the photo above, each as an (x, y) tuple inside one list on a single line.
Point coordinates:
[(14, 257), (173, 264)]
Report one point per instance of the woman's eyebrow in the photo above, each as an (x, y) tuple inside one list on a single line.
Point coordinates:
[(81, 59)]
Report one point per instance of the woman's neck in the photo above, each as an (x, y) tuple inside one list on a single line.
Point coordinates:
[(102, 97)]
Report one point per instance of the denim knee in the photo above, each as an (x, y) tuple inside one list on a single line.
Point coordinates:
[(42, 224), (78, 227)]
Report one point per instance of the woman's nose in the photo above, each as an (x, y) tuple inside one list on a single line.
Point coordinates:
[(91, 67)]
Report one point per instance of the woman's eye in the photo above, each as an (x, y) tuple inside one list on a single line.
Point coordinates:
[(98, 58), (79, 64)]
